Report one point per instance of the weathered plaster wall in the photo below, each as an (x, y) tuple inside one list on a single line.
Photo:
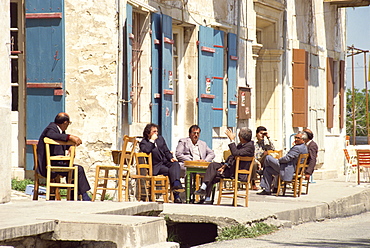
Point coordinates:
[(5, 101), (91, 78)]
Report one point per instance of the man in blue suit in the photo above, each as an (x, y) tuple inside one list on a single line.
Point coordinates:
[(284, 166)]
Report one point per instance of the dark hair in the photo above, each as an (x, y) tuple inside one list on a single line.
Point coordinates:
[(309, 134), (260, 128), (61, 118), (194, 127), (246, 134), (147, 130)]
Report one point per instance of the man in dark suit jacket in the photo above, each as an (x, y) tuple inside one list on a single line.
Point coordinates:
[(56, 131), (312, 150), (284, 166), (163, 161), (245, 148)]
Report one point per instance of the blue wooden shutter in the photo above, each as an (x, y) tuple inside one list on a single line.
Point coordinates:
[(218, 75), (45, 66), (206, 54), (232, 61), (129, 39), (167, 87), (156, 67)]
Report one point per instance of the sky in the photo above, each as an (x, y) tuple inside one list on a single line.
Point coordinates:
[(358, 34)]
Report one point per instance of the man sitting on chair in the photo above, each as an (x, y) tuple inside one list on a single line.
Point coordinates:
[(215, 170), (284, 166), (193, 149), (56, 131), (163, 161)]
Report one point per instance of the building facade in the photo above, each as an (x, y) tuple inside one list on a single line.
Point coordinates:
[(116, 66)]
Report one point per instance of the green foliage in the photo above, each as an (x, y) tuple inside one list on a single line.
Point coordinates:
[(241, 231), (360, 112), (20, 185)]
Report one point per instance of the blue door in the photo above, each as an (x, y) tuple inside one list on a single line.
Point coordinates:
[(167, 84), (206, 55), (156, 68), (218, 77), (129, 37), (45, 66), (232, 61)]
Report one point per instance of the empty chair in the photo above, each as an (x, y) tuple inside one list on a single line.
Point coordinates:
[(363, 164), (297, 177), (72, 178), (121, 171), (228, 188), (351, 165)]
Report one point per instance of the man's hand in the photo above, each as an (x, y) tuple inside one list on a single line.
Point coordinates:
[(154, 136), (307, 177), (75, 139), (173, 160), (200, 160), (230, 134)]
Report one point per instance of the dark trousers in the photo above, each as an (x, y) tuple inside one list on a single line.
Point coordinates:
[(170, 169), (212, 176)]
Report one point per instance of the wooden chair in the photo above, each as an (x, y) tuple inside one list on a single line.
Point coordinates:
[(70, 169), (351, 165), (122, 170), (363, 160), (38, 178), (153, 185), (231, 190), (297, 177)]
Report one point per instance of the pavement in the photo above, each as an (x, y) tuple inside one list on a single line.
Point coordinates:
[(143, 224)]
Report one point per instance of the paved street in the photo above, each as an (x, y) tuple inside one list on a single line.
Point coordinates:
[(341, 232)]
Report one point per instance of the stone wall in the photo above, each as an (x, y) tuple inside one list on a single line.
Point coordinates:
[(5, 104)]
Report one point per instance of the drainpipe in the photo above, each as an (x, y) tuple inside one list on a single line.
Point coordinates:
[(237, 44), (284, 77)]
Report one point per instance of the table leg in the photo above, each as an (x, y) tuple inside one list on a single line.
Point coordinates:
[(187, 180)]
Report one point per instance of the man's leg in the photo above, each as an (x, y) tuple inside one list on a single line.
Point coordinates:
[(172, 170), (271, 167), (209, 177), (83, 184)]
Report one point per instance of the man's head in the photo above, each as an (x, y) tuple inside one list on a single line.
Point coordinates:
[(309, 134), (194, 133), (245, 135), (149, 130), (300, 138), (62, 120), (261, 132)]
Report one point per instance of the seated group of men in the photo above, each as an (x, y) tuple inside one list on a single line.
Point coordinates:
[(193, 149)]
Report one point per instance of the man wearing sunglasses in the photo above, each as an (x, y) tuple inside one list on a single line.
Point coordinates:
[(284, 166)]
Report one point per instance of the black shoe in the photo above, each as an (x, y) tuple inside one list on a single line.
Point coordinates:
[(210, 202), (274, 191), (177, 200), (259, 172), (200, 192), (264, 192)]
